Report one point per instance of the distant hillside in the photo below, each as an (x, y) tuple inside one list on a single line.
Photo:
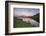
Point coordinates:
[(36, 17)]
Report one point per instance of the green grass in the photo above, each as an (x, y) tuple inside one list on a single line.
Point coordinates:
[(22, 25), (18, 23)]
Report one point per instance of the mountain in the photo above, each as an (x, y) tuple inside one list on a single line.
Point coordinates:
[(23, 16), (36, 17)]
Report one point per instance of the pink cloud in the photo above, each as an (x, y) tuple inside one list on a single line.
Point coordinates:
[(24, 14)]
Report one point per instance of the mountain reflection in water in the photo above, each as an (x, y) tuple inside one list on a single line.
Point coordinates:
[(30, 20)]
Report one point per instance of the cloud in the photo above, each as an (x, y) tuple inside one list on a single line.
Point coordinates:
[(25, 11), (24, 14)]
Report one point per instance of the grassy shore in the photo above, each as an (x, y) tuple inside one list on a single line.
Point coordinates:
[(18, 23)]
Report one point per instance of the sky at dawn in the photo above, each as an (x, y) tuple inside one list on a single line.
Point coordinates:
[(25, 11)]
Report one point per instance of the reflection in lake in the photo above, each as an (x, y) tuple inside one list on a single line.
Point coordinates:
[(30, 20)]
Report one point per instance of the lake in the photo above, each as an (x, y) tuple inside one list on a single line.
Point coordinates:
[(32, 21)]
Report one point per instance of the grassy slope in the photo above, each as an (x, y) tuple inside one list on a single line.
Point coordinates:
[(36, 17), (19, 23)]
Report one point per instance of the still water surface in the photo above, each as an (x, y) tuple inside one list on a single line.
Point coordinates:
[(32, 21)]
